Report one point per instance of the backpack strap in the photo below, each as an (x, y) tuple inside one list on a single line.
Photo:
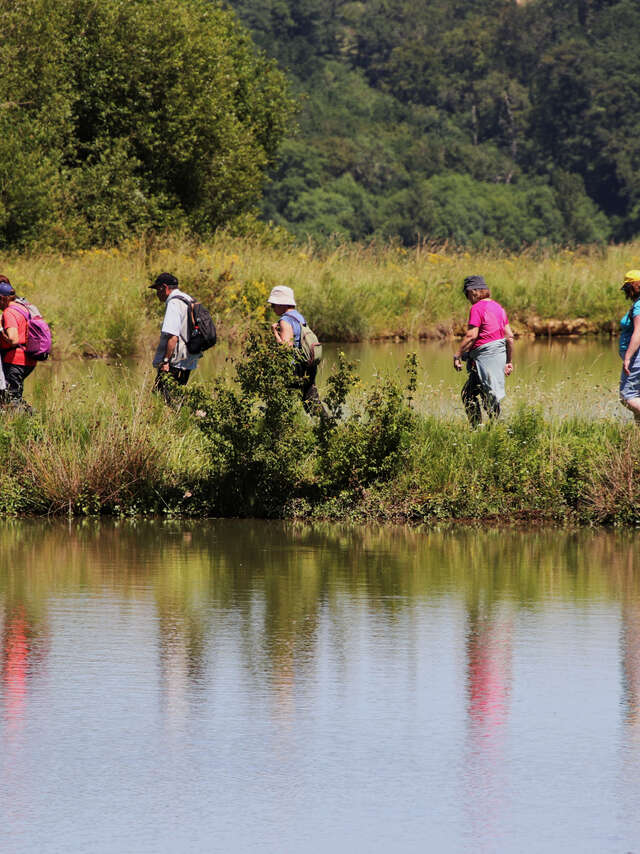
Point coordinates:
[(189, 302)]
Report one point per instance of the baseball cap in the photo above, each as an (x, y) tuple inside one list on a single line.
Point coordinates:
[(281, 295), (6, 289), (474, 283), (165, 279), (631, 276)]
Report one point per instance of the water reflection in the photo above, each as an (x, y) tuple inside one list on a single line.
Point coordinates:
[(24, 646), (630, 650), (489, 645), (410, 684)]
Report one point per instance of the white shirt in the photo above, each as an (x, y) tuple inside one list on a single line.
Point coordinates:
[(175, 323)]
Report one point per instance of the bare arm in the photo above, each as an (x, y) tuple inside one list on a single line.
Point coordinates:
[(283, 332), (634, 344), (508, 335), (170, 347), (9, 337), (465, 345)]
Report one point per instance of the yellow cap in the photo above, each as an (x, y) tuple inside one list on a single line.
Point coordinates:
[(631, 276)]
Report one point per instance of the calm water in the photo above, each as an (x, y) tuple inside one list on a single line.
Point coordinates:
[(565, 377), (243, 686)]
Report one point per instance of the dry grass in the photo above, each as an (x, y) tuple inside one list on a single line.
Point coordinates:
[(97, 448), (614, 489)]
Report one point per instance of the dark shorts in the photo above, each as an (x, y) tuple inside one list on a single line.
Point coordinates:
[(161, 386), (306, 383), (15, 375)]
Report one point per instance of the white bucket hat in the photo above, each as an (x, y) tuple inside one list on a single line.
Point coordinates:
[(281, 295)]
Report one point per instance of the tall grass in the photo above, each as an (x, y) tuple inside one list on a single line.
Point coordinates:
[(94, 449), (98, 302)]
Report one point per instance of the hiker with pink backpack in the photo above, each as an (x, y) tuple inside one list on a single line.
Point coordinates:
[(25, 340)]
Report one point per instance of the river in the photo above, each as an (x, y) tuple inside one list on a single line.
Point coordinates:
[(251, 686)]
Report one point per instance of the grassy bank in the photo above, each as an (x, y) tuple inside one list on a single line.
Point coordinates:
[(245, 448), (98, 305)]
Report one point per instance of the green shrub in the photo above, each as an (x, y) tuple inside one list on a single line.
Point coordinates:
[(257, 440)]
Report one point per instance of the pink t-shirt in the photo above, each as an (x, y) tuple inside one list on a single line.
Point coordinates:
[(490, 318)]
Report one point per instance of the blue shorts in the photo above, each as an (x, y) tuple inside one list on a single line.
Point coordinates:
[(630, 383)]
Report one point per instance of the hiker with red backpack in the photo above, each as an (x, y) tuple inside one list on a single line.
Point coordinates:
[(25, 339)]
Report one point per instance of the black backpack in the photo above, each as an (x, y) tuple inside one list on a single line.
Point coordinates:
[(201, 330)]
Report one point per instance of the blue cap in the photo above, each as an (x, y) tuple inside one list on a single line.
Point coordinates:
[(6, 289)]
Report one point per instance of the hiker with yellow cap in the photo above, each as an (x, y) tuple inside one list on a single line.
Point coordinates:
[(630, 345)]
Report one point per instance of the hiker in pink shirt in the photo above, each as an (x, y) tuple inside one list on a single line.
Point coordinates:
[(487, 349)]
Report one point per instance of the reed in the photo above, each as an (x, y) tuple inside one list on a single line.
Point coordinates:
[(98, 303), (95, 448)]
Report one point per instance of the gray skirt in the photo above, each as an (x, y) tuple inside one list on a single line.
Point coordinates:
[(630, 383), (489, 360)]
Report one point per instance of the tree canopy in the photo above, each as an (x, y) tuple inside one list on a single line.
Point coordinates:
[(478, 120), (121, 115)]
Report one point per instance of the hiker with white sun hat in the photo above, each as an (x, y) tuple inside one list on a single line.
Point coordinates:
[(291, 330)]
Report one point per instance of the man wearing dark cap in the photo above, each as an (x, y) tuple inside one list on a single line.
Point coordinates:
[(16, 364), (172, 359), (487, 349)]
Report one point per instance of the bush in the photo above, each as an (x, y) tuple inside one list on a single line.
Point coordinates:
[(256, 439)]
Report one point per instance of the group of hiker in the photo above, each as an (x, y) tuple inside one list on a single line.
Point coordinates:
[(173, 357), (187, 330)]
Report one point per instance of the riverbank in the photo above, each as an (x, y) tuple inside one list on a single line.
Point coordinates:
[(245, 448), (98, 303)]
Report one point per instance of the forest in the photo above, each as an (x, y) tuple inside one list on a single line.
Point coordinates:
[(480, 123)]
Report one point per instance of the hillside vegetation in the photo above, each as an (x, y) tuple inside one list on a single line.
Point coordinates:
[(480, 123), (477, 121)]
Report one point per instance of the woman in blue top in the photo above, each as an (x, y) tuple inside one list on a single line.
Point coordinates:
[(630, 345), (287, 331)]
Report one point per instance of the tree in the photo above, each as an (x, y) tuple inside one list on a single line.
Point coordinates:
[(149, 112)]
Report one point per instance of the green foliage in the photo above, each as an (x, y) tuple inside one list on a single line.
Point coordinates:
[(508, 95), (370, 445), (125, 115), (264, 454), (257, 442)]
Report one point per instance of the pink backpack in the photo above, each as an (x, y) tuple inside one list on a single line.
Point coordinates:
[(38, 344)]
